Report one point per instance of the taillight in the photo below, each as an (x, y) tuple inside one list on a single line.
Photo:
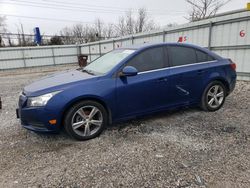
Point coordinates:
[(232, 64)]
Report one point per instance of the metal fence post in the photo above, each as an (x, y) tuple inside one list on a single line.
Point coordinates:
[(113, 44), (100, 49), (89, 53), (24, 61), (164, 37), (132, 40), (210, 35), (53, 56)]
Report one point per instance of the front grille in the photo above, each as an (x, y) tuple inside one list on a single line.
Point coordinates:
[(37, 125), (33, 124)]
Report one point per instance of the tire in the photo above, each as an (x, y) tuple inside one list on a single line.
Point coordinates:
[(214, 90), (85, 120)]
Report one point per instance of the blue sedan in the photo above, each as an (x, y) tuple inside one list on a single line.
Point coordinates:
[(124, 84)]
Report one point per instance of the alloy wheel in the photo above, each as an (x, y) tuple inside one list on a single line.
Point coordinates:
[(87, 121), (215, 96)]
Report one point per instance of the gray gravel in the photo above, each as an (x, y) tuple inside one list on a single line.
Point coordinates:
[(184, 148)]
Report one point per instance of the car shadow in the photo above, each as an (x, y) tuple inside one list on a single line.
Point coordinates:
[(152, 117)]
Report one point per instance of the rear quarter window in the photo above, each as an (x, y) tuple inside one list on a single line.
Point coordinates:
[(203, 57)]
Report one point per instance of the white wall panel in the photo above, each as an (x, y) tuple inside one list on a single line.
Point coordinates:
[(65, 51), (43, 52), (38, 62), (173, 37), (106, 47), (12, 54), (117, 44), (241, 57), (85, 49), (229, 34), (65, 60), (149, 39), (94, 49), (127, 42), (11, 64)]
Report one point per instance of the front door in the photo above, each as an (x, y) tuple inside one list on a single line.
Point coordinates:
[(147, 91)]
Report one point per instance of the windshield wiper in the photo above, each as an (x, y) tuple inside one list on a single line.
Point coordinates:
[(88, 71)]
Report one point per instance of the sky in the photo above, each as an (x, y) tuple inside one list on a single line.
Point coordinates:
[(55, 14)]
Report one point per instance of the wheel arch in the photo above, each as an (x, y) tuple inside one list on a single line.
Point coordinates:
[(216, 76), (85, 98), (223, 81)]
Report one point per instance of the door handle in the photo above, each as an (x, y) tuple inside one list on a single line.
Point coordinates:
[(163, 79), (201, 71)]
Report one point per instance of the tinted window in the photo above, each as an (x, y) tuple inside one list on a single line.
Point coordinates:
[(182, 55), (203, 57), (150, 59)]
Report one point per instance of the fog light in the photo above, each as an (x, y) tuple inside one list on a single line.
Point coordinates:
[(52, 122)]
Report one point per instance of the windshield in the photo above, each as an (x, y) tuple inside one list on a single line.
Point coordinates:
[(107, 62)]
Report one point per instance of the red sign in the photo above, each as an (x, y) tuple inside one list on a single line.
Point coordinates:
[(242, 33), (182, 39)]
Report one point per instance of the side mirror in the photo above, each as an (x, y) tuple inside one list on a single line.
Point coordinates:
[(129, 71)]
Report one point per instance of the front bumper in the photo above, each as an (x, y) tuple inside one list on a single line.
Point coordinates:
[(37, 119)]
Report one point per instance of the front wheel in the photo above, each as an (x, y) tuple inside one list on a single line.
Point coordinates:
[(85, 120), (213, 97)]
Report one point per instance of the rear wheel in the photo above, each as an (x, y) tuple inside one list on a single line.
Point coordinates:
[(85, 120), (214, 96)]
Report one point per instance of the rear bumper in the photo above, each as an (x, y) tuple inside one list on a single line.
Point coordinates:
[(232, 85), (37, 120)]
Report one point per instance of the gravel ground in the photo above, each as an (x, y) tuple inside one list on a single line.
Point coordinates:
[(184, 148)]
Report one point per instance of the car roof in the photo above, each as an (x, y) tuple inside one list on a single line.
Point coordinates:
[(148, 45), (139, 47)]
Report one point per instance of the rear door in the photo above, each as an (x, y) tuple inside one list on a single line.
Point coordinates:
[(146, 91), (188, 72)]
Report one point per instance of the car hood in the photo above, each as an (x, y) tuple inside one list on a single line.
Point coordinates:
[(56, 81)]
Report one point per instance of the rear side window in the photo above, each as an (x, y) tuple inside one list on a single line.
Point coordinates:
[(182, 55), (150, 59), (203, 57)]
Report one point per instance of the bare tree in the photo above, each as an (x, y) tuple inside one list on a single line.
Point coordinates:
[(22, 38), (128, 24), (108, 31), (66, 34), (78, 34), (120, 27), (201, 9), (99, 28), (102, 30), (79, 31), (131, 24), (141, 20), (2, 30), (56, 40)]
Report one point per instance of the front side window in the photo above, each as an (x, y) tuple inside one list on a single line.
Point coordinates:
[(107, 62), (182, 55), (150, 59)]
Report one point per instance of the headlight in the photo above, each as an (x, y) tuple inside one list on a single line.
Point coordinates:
[(40, 100)]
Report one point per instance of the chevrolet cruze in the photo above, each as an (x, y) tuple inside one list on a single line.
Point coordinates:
[(124, 84)]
